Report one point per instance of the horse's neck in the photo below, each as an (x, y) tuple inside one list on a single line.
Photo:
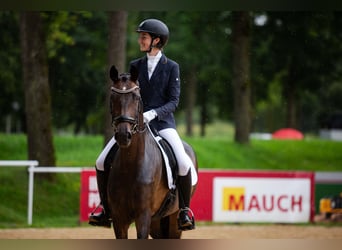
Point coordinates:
[(135, 152), (142, 144), (140, 162)]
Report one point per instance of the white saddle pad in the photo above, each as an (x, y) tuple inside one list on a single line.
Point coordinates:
[(171, 185)]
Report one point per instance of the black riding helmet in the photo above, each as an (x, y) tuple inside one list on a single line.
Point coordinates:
[(155, 28)]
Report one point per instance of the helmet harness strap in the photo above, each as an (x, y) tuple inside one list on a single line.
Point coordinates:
[(151, 45)]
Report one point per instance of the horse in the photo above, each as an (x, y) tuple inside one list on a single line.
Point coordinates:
[(137, 184)]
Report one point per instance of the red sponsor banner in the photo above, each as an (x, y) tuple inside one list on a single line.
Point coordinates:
[(202, 202), (89, 197)]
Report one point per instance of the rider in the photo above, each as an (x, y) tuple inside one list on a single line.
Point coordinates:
[(159, 83)]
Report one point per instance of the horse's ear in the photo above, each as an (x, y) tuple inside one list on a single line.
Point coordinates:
[(134, 73), (114, 74)]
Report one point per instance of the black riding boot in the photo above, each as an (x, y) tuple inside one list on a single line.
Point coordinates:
[(102, 219), (185, 220)]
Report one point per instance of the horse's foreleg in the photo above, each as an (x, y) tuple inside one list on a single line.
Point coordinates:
[(121, 231), (143, 223)]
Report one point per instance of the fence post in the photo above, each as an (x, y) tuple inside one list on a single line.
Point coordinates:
[(31, 165), (30, 194), (32, 168)]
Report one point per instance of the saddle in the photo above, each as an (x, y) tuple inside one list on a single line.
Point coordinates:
[(169, 158)]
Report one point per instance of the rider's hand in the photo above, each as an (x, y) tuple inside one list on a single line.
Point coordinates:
[(149, 115)]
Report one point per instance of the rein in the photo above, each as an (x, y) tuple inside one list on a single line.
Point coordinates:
[(123, 118)]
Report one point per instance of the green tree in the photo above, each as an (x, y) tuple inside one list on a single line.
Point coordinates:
[(37, 89), (295, 67), (241, 75), (77, 49), (301, 51), (205, 80), (11, 91), (116, 55)]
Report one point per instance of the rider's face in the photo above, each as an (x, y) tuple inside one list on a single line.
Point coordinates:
[(144, 41)]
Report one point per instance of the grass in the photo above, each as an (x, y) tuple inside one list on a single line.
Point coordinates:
[(313, 155), (57, 204)]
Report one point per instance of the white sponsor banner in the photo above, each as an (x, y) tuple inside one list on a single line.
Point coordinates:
[(284, 200)]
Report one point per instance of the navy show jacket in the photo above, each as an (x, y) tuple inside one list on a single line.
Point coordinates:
[(160, 92)]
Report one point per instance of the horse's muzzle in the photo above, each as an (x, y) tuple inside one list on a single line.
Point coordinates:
[(123, 135)]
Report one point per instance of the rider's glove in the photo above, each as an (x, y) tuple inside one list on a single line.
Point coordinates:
[(149, 115)]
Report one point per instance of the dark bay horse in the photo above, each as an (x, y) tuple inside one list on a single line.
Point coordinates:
[(137, 185)]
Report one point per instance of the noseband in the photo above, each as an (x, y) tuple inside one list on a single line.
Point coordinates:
[(134, 121)]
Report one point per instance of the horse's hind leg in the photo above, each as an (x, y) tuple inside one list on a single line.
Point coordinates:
[(174, 232), (156, 231), (166, 228)]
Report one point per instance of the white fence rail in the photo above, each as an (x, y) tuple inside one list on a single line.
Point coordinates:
[(33, 168)]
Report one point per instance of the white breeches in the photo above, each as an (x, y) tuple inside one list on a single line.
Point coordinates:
[(171, 135), (101, 158), (183, 160)]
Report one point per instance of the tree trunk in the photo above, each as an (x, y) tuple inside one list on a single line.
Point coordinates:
[(241, 76), (117, 23), (290, 91), (204, 115), (37, 89)]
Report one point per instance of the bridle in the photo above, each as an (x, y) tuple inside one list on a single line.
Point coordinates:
[(136, 122)]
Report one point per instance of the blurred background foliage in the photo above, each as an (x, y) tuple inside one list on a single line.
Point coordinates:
[(297, 53)]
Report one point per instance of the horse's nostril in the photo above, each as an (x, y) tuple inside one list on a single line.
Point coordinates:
[(123, 138)]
